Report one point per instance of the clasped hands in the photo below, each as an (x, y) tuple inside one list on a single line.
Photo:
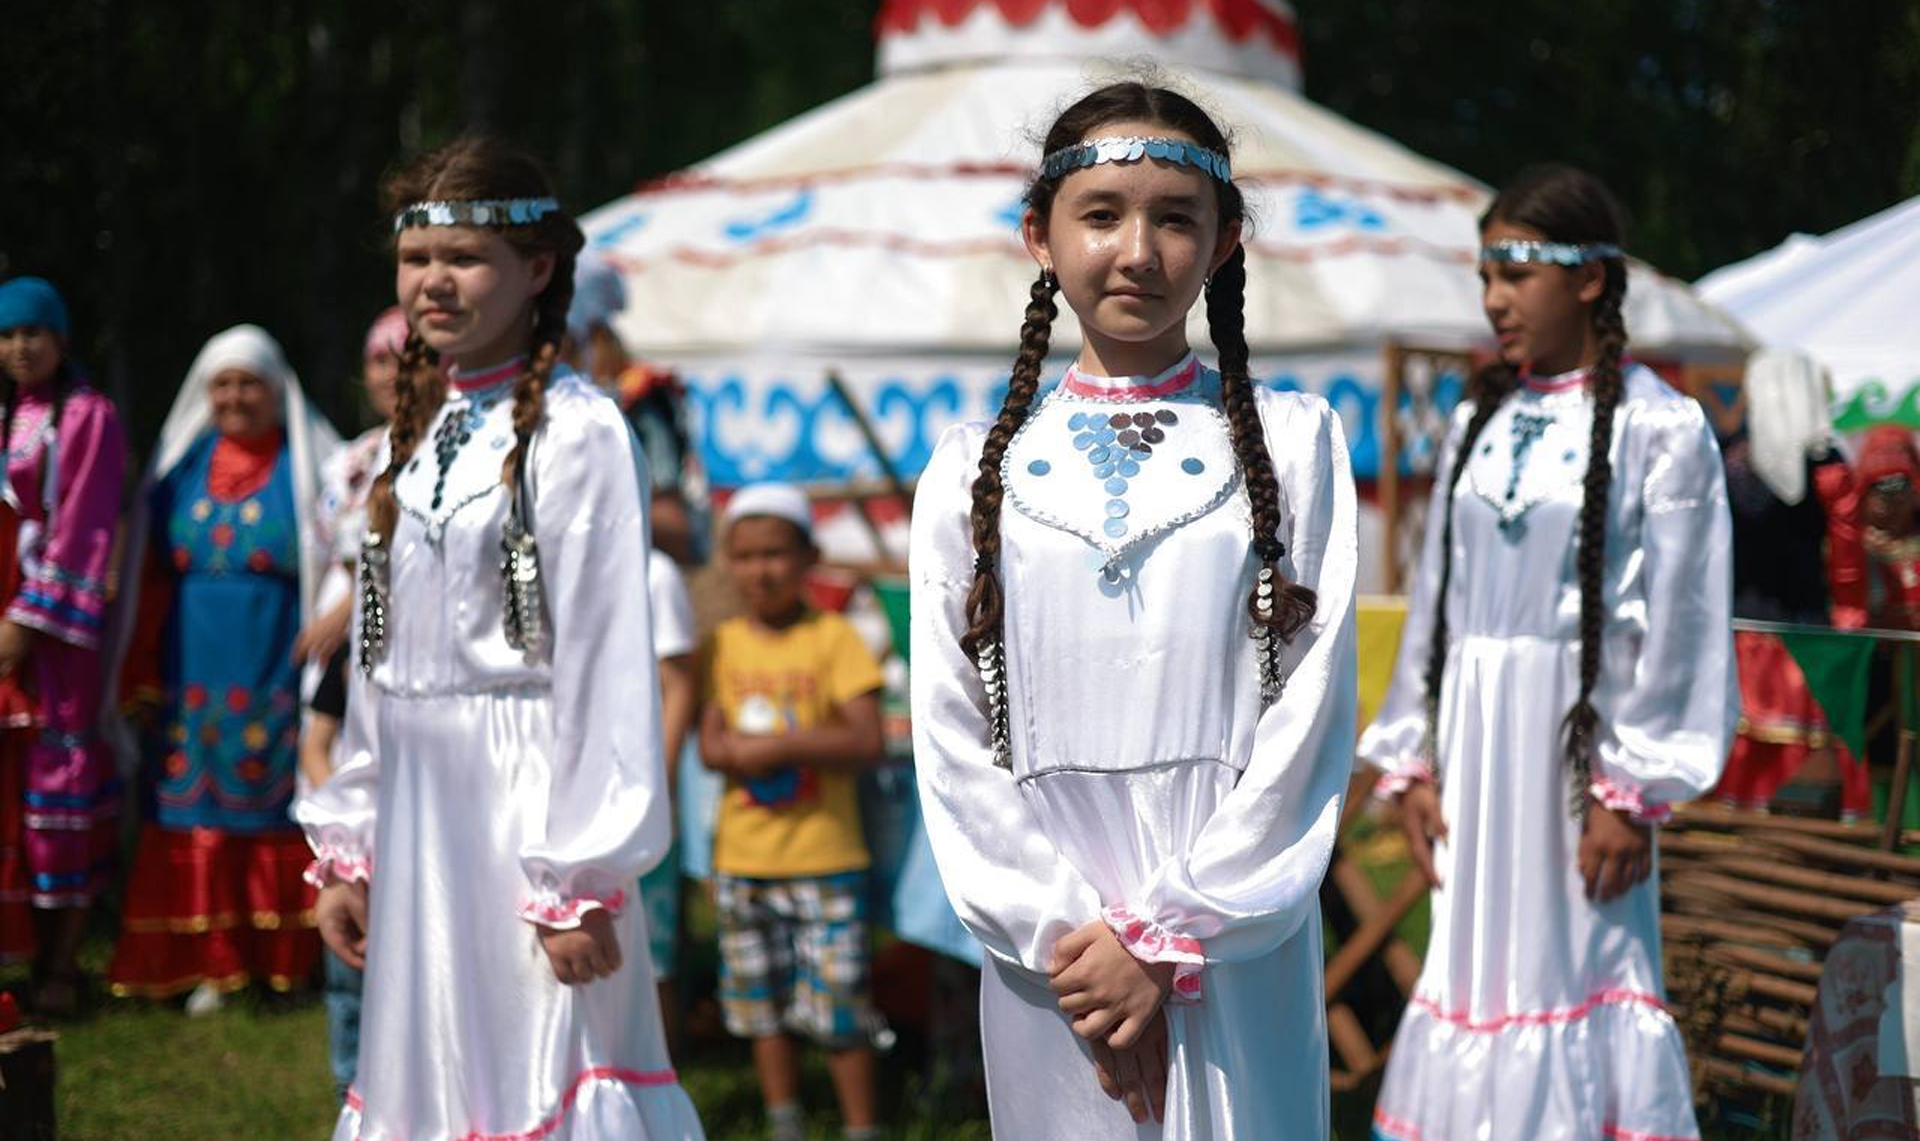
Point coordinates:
[(578, 955), (1114, 1001)]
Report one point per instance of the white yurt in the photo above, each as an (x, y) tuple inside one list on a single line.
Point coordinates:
[(877, 236)]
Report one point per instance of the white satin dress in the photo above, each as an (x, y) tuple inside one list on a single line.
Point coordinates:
[(484, 790), (1149, 786), (1539, 1013)]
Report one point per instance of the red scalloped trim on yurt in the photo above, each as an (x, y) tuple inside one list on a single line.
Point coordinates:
[(687, 182), (1240, 19)]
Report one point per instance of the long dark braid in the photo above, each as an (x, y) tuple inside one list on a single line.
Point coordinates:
[(1606, 383), (1487, 388), (530, 389), (1292, 605), (986, 600), (416, 397)]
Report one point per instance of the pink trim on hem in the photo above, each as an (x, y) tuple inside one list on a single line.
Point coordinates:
[(1465, 1021), (1149, 942), (334, 865), (564, 914), (1407, 1131), (1625, 798), (547, 1127)]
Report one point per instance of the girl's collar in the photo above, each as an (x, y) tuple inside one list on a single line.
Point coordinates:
[(1563, 381), (1166, 383), (472, 382)]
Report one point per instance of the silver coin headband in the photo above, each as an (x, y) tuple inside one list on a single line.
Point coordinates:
[(1133, 148), (1549, 253), (476, 212)]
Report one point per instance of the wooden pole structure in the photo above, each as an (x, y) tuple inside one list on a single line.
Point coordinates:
[(1387, 478), (1903, 681), (878, 451)]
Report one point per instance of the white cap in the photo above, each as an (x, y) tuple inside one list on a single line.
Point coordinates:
[(777, 500), (598, 294)]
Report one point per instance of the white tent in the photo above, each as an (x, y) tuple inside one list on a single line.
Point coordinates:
[(877, 235), (1847, 300)]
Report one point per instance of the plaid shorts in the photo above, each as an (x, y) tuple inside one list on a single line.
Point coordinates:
[(793, 957)]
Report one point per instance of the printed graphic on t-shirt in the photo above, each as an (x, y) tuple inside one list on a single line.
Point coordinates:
[(760, 715)]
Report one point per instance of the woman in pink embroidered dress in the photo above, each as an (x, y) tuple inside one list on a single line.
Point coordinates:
[(59, 502), (1566, 673)]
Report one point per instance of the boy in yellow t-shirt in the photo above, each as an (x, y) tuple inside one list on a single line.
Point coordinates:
[(792, 714)]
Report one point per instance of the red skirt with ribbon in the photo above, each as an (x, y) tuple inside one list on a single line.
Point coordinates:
[(207, 906)]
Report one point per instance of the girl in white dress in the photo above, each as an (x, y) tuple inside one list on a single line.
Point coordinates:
[(1565, 674), (1133, 675), (501, 787)]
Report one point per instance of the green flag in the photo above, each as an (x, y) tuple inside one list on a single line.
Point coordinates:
[(1836, 667), (893, 601)]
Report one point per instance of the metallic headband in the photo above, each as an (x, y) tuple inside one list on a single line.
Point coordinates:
[(1132, 148), (477, 212), (1549, 253)]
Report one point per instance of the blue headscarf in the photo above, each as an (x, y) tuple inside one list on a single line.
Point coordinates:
[(32, 301)]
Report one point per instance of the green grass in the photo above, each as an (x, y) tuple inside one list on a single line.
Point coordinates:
[(139, 1071)]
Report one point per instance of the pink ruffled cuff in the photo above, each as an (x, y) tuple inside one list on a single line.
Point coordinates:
[(1626, 798), (337, 865), (550, 909), (1149, 942), (1394, 783)]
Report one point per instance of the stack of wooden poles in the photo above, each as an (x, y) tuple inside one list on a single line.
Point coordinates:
[(1751, 905)]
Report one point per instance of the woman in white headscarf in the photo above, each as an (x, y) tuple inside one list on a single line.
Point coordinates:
[(229, 569)]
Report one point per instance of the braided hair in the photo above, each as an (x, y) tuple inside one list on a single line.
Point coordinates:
[(1226, 295), (1563, 204), (478, 167)]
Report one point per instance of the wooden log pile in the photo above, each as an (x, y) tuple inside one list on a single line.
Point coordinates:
[(1751, 903)]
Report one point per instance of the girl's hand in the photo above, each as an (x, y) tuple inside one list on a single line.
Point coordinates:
[(1615, 853), (15, 642), (341, 915), (1421, 819), (585, 953), (1107, 994), (1137, 1076), (324, 634)]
